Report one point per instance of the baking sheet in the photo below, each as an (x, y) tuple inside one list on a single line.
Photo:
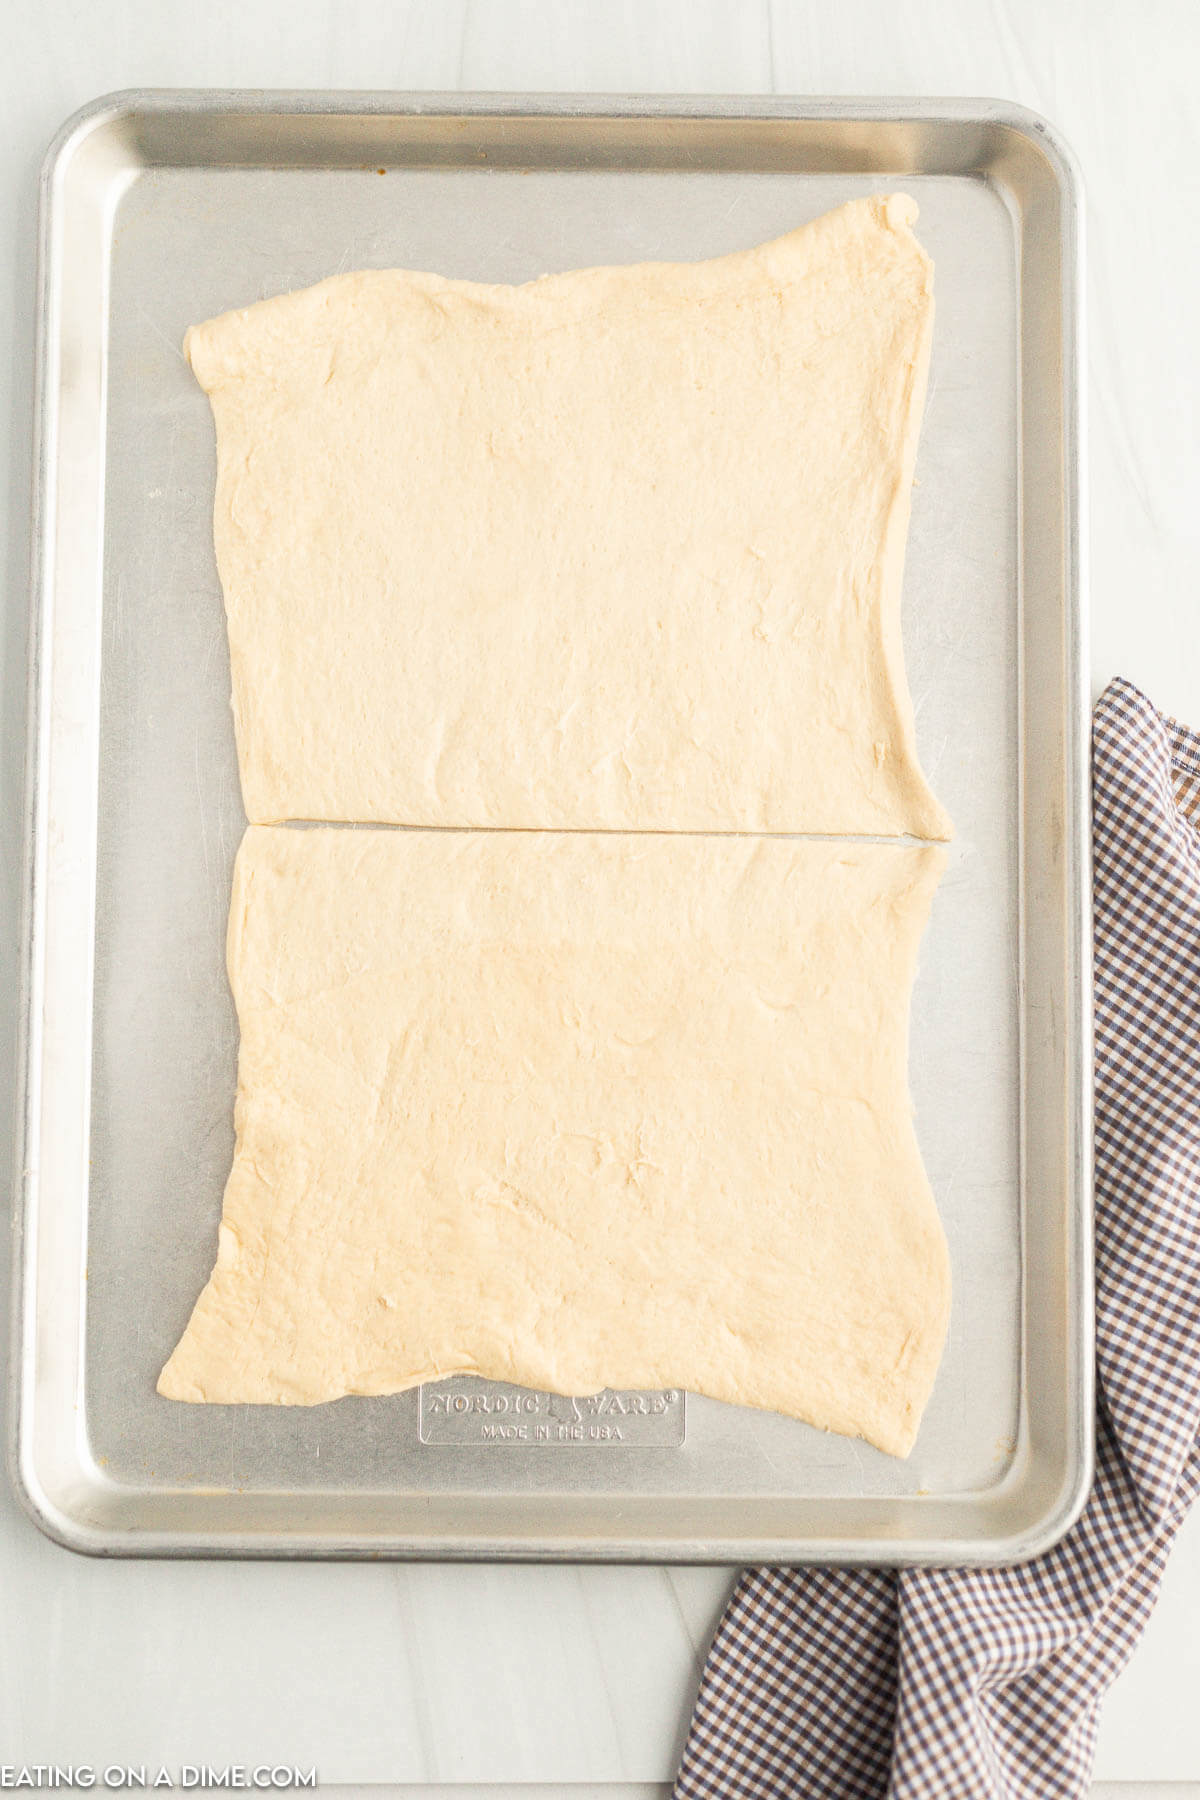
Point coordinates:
[(161, 210)]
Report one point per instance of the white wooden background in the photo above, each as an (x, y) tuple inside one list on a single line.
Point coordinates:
[(563, 1677)]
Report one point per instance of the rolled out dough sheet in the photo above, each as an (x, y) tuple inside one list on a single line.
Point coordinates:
[(576, 1111), (620, 548)]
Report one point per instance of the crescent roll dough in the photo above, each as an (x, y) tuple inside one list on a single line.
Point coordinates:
[(619, 549), (575, 1111)]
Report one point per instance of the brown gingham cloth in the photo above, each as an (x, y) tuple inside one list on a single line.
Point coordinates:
[(931, 1684)]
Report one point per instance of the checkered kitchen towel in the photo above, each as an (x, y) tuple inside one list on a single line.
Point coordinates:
[(986, 1683)]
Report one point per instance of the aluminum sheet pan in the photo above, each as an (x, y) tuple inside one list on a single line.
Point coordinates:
[(160, 209)]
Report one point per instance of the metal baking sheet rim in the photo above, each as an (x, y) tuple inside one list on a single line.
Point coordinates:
[(56, 1479)]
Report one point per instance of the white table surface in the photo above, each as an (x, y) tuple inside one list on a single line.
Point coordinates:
[(561, 1676)]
